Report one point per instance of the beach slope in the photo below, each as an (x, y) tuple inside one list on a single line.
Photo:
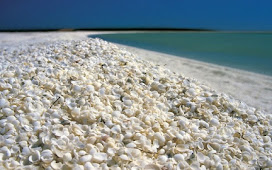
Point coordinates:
[(88, 104)]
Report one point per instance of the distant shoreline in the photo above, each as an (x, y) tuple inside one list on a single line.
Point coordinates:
[(104, 29)]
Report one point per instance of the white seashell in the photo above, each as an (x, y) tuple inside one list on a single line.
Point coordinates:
[(67, 157), (58, 152), (128, 103), (160, 138), (116, 129), (215, 146), (5, 150), (134, 153), (155, 144), (82, 101), (15, 149), (56, 165), (216, 158), (178, 157), (104, 166), (35, 157), (152, 167), (116, 114), (57, 131), (46, 102), (92, 140), (93, 151), (26, 151), (76, 88), (11, 119), (162, 159), (209, 99), (9, 141), (3, 103), (262, 160), (192, 92), (99, 157), (252, 118), (77, 130), (183, 165), (85, 158), (131, 145), (90, 88), (124, 157), (88, 166), (13, 164), (161, 151), (111, 151), (266, 139), (82, 152), (46, 156), (8, 111), (128, 112), (247, 156), (269, 163), (214, 122), (75, 112), (203, 124), (180, 111), (182, 123), (128, 135), (200, 157), (219, 167), (100, 147)]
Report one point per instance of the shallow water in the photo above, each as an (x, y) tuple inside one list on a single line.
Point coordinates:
[(246, 51)]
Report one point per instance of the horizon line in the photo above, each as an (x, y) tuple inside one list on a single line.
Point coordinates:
[(127, 29)]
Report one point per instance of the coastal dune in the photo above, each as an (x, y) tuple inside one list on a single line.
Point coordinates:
[(90, 104)]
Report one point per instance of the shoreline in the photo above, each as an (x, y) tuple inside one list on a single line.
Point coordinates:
[(249, 87)]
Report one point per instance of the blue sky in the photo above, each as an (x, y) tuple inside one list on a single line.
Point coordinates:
[(250, 15)]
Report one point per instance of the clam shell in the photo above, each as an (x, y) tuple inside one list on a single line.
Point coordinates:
[(6, 151), (160, 138), (131, 145), (46, 156), (152, 167), (178, 157), (3, 103), (35, 157), (8, 111), (116, 129), (56, 165), (85, 158), (124, 157), (99, 157)]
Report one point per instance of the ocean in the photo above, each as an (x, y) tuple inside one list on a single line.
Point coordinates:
[(247, 51)]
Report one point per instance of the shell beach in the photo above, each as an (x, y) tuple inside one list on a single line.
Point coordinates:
[(91, 105)]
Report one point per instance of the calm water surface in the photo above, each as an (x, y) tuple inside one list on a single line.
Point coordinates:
[(247, 51)]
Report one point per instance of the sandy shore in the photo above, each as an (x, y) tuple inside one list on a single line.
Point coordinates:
[(251, 88), (254, 89)]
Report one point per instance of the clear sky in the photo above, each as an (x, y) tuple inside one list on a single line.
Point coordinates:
[(250, 15)]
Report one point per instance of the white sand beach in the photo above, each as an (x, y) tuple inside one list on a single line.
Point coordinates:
[(251, 88), (91, 104)]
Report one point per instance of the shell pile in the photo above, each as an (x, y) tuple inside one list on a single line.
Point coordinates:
[(90, 105)]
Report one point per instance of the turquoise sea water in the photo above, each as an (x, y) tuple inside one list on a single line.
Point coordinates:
[(246, 51)]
